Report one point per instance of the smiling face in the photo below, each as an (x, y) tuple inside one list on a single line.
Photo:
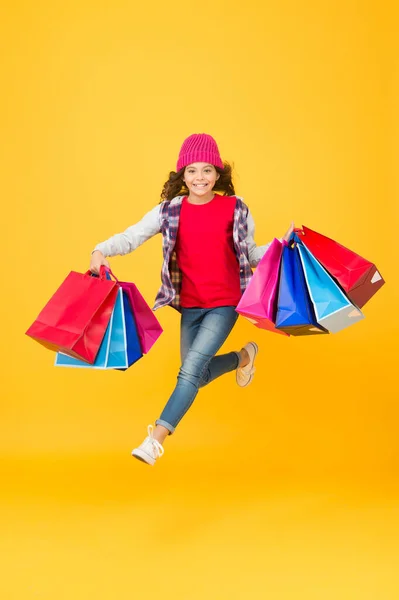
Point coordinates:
[(200, 178)]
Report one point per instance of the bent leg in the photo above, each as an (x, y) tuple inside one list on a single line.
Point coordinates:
[(219, 365)]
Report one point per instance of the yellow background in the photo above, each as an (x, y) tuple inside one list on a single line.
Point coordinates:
[(287, 489)]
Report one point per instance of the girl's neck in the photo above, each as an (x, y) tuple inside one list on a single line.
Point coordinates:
[(193, 199)]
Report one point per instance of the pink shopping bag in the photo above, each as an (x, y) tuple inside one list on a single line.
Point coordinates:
[(259, 301), (148, 326)]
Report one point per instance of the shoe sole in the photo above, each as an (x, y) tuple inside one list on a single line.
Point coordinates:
[(253, 361), (143, 457)]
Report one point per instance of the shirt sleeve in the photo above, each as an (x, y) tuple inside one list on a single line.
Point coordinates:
[(255, 252), (134, 236)]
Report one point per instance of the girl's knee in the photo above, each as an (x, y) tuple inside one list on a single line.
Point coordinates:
[(195, 369), (205, 378)]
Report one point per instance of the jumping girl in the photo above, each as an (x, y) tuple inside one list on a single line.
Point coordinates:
[(208, 251)]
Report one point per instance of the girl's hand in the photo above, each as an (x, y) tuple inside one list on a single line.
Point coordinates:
[(97, 259), (289, 231)]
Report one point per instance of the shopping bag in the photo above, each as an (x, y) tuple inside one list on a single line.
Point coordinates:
[(63, 360), (333, 309), (76, 317), (148, 326), (259, 301), (358, 277), (128, 350), (295, 312), (120, 347)]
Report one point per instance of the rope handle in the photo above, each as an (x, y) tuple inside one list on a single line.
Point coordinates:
[(105, 273)]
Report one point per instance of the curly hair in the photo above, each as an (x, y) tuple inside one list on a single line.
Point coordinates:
[(175, 186)]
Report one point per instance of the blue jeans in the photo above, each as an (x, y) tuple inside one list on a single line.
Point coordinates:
[(203, 332)]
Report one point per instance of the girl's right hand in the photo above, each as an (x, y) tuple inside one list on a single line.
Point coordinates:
[(289, 232), (98, 259)]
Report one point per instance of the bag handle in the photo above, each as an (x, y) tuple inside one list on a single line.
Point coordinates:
[(295, 237), (105, 273), (109, 272)]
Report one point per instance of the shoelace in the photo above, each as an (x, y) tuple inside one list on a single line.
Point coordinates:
[(158, 448)]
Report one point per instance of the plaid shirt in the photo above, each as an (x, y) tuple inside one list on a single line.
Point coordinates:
[(171, 275)]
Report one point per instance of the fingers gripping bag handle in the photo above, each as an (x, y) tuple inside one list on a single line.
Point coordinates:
[(105, 273)]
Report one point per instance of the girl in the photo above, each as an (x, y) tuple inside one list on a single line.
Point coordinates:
[(208, 251)]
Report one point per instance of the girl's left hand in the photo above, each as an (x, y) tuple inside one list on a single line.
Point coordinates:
[(289, 231)]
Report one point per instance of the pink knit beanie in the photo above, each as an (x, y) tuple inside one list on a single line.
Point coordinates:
[(199, 147)]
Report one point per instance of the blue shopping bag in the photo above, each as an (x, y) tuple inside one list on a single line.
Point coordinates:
[(120, 347), (295, 313), (333, 309), (124, 347)]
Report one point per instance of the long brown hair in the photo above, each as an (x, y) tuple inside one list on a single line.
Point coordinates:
[(176, 187)]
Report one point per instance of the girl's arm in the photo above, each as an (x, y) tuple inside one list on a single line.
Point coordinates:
[(256, 252), (133, 237)]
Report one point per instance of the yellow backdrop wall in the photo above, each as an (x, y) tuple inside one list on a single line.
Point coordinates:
[(96, 100)]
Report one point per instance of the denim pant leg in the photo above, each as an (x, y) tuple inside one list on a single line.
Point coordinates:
[(218, 365), (207, 330)]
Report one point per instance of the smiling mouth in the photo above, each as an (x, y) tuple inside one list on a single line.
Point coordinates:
[(200, 184)]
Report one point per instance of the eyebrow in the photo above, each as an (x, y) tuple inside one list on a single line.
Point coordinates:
[(206, 166)]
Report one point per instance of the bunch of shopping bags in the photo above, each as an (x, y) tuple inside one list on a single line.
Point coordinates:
[(309, 285), (96, 322)]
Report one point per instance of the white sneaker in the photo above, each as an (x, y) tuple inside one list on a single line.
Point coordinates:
[(149, 450), (244, 375)]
